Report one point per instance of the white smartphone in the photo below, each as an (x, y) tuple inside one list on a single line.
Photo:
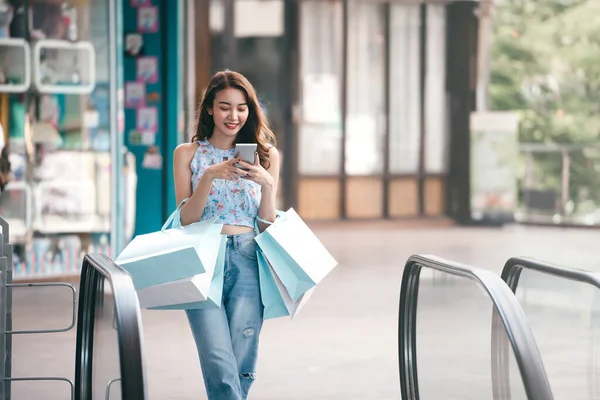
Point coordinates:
[(245, 151)]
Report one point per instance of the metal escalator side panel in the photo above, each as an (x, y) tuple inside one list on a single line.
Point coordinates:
[(95, 269)]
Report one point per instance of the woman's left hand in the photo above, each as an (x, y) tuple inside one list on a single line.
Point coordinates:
[(256, 173)]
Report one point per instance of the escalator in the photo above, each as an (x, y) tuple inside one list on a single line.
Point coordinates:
[(447, 316), (562, 306), (464, 333), (467, 333), (514, 332), (109, 352)]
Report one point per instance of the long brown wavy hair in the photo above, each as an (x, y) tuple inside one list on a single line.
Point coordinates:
[(255, 130)]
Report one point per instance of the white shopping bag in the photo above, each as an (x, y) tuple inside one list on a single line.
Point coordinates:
[(171, 254), (204, 288)]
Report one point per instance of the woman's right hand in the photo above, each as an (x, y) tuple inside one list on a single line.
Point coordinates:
[(226, 170)]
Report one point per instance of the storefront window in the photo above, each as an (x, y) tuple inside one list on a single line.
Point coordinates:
[(320, 132), (365, 121), (435, 90), (217, 16), (58, 138), (405, 89)]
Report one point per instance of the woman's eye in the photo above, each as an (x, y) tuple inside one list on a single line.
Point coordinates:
[(241, 109), (224, 109)]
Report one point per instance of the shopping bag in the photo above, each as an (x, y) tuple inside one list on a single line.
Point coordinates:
[(297, 256), (215, 293), (275, 298), (171, 254), (189, 290)]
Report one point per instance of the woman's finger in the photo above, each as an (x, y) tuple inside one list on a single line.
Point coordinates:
[(246, 165)]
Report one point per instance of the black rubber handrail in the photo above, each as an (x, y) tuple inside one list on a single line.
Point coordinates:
[(514, 266), (96, 269), (511, 273), (510, 314)]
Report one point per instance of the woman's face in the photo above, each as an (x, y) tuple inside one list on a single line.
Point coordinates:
[(230, 112)]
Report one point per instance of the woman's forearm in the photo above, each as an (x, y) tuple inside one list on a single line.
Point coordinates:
[(193, 209), (266, 210)]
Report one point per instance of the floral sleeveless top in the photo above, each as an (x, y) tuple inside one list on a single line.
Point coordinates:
[(234, 202)]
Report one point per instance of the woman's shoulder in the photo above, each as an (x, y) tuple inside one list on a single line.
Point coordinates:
[(273, 152), (186, 148), (185, 151)]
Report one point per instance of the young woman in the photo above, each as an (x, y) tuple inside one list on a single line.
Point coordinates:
[(204, 173)]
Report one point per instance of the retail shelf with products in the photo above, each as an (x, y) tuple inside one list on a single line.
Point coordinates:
[(15, 65), (16, 205), (63, 67), (68, 207), (72, 193)]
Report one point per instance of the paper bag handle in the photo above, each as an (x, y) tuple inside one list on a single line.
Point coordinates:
[(175, 213), (278, 214)]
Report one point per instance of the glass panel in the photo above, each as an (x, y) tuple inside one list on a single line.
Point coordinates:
[(435, 90), (42, 354), (15, 62), (320, 130), (453, 340), (365, 122), (405, 99), (269, 13), (63, 54), (58, 140), (106, 369), (217, 16), (564, 316), (63, 67), (189, 66)]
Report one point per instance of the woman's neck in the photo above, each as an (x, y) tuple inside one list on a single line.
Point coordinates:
[(221, 142)]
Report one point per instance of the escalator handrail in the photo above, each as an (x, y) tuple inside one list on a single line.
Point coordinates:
[(129, 332), (507, 308), (515, 265), (511, 274)]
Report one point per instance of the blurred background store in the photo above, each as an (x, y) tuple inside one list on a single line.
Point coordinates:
[(378, 108)]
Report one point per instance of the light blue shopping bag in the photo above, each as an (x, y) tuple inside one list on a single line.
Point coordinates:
[(171, 254), (215, 296), (275, 298), (271, 297), (296, 254)]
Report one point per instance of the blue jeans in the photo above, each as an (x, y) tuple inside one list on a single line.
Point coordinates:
[(227, 337)]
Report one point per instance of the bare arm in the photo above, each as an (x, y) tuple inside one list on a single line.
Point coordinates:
[(182, 175), (266, 210)]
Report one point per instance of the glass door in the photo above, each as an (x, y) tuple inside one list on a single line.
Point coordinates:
[(371, 74), (320, 127), (404, 144), (365, 109)]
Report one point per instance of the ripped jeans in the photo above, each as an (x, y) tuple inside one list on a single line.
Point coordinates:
[(227, 337)]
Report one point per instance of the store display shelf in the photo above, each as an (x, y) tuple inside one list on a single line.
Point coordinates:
[(22, 276), (18, 230), (52, 225), (86, 59), (9, 50), (19, 224)]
